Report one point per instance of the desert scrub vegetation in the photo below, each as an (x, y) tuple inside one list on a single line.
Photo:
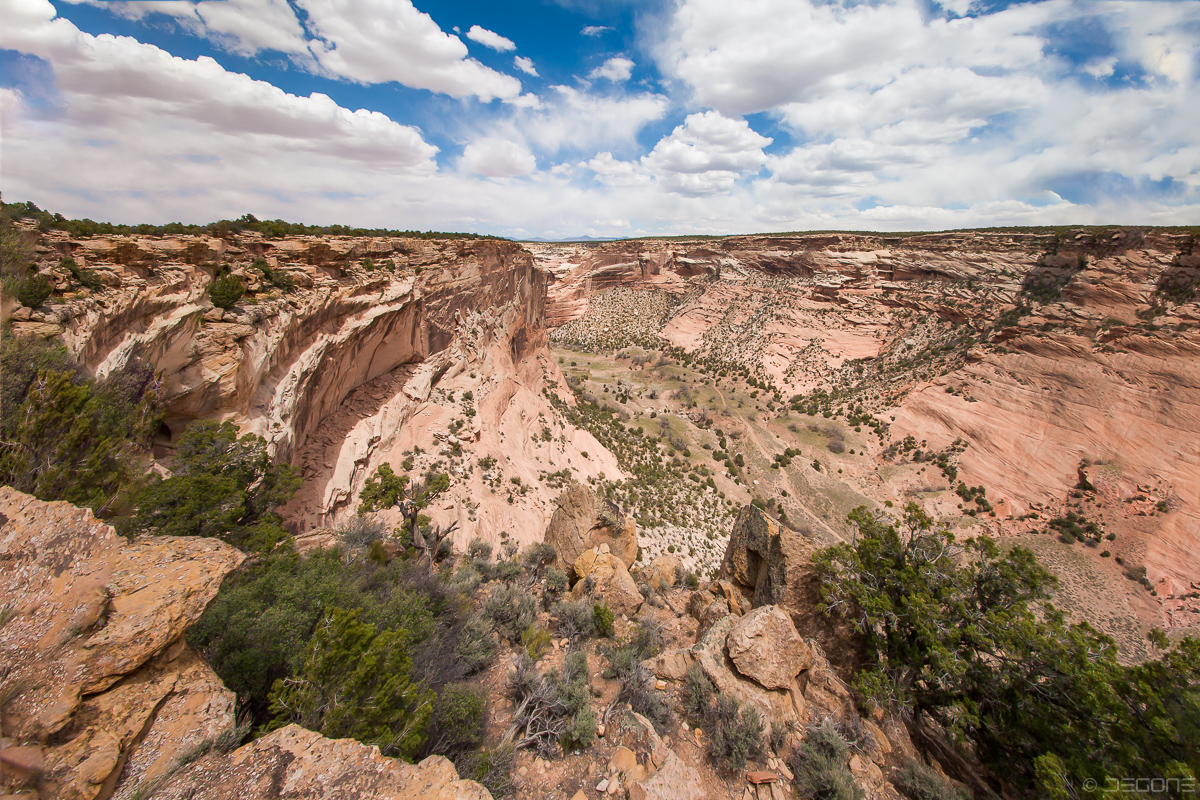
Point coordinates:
[(364, 648), (819, 765), (735, 731), (1074, 527), (919, 781), (355, 683), (954, 638), (576, 619), (19, 276), (665, 491), (29, 213), (510, 610), (553, 712), (277, 278), (636, 682), (225, 290)]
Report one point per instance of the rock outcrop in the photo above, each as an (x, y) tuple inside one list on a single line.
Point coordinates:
[(663, 571), (602, 574), (101, 690), (764, 561), (776, 707), (765, 647), (581, 521), (674, 780), (772, 565), (296, 763)]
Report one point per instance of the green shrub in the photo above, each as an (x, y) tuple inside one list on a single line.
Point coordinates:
[(735, 733), (820, 765), (580, 730), (355, 683), (258, 628), (457, 722), (276, 277), (918, 781), (384, 489), (31, 292), (698, 691), (222, 486), (553, 710), (478, 548), (538, 556), (536, 641), (70, 438), (635, 681), (226, 290), (556, 580), (576, 619), (916, 596), (604, 619), (825, 738), (86, 278), (506, 571), (491, 768), (474, 647), (510, 610)]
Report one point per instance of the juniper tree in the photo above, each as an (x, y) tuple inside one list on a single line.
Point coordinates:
[(955, 638)]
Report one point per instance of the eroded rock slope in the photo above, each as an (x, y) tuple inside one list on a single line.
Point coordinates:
[(1019, 359)]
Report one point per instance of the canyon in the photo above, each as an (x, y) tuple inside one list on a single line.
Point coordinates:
[(1015, 384), (1029, 359)]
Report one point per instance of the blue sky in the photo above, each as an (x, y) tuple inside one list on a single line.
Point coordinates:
[(559, 118)]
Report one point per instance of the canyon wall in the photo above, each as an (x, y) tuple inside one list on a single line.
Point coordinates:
[(1041, 352), (332, 372)]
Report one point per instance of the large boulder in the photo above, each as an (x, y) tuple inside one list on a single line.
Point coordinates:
[(298, 764), (765, 647), (775, 706), (662, 572), (583, 521), (674, 780), (602, 573), (94, 646), (763, 560)]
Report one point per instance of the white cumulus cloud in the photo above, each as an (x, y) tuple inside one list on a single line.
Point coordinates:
[(525, 65), (706, 154), (365, 41), (497, 158), (490, 39), (616, 69)]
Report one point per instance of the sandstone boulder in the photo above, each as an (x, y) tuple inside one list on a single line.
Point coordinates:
[(583, 521), (95, 645), (765, 647), (774, 706), (714, 612), (674, 780), (296, 763), (662, 572), (602, 573)]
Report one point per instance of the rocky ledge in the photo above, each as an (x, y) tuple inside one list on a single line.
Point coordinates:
[(100, 696)]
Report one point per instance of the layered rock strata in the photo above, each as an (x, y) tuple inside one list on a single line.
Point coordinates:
[(1037, 351), (382, 345)]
